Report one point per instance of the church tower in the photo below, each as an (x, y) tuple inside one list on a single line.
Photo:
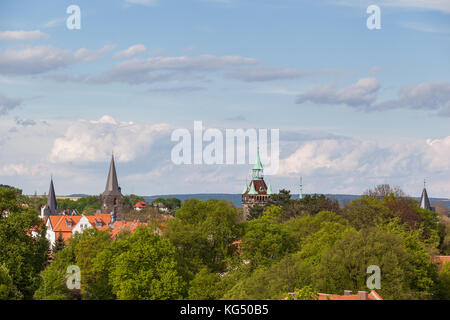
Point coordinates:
[(424, 200), (112, 202), (257, 192), (51, 208)]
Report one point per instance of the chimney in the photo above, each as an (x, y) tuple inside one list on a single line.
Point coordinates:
[(347, 292), (363, 295)]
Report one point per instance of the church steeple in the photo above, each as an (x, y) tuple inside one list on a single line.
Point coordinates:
[(112, 185), (425, 201), (112, 202), (51, 208)]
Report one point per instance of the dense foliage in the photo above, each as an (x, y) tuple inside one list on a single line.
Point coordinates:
[(206, 251)]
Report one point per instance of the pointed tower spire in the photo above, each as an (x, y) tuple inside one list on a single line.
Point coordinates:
[(257, 171), (245, 188), (425, 201), (51, 208), (112, 185), (269, 189)]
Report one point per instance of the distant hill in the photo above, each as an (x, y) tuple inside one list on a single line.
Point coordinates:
[(236, 198)]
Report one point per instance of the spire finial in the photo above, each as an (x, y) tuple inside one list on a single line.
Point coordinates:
[(424, 183)]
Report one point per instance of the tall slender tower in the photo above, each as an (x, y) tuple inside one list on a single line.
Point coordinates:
[(257, 192), (112, 202), (51, 208), (424, 200), (300, 195)]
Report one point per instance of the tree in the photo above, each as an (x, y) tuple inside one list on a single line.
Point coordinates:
[(443, 291), (147, 269), (305, 293), (310, 205), (206, 286), (8, 290), (366, 212), (59, 243), (255, 212), (23, 246), (383, 190), (203, 231), (265, 241)]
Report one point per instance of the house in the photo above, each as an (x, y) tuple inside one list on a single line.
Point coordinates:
[(161, 207), (140, 206), (66, 226)]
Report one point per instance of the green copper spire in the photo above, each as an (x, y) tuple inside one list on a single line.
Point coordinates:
[(252, 189), (245, 188), (300, 195), (269, 189), (257, 173)]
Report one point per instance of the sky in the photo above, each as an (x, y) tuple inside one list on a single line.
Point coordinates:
[(355, 107)]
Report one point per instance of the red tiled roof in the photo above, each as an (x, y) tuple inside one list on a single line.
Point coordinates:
[(141, 204), (260, 186), (120, 226), (373, 295)]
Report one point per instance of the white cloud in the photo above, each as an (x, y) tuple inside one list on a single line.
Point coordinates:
[(33, 60), (87, 55), (40, 59), (20, 35), (131, 51), (93, 141), (157, 69), (426, 96), (368, 162), (362, 93)]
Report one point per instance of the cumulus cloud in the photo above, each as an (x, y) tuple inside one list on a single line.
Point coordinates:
[(131, 51), (20, 35), (427, 96), (7, 104), (93, 141), (362, 93), (368, 158)]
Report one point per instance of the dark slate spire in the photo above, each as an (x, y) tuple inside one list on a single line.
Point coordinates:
[(424, 201), (51, 208), (112, 186)]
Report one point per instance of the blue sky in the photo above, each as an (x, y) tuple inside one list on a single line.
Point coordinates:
[(355, 107)]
